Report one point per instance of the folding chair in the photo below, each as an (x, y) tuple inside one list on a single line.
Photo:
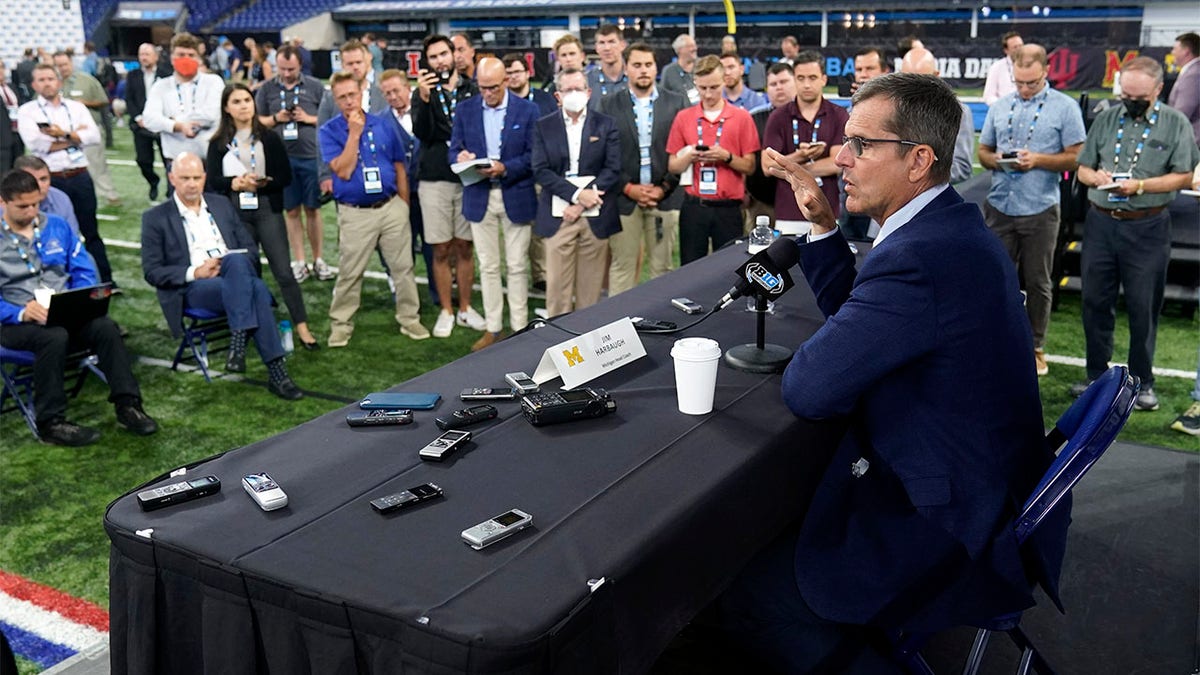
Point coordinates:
[(1083, 432), (200, 329), (16, 374)]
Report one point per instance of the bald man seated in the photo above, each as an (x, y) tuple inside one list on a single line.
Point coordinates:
[(921, 61), (197, 253)]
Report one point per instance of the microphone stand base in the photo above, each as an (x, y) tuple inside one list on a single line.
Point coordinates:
[(748, 357)]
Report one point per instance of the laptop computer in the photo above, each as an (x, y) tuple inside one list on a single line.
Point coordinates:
[(73, 308)]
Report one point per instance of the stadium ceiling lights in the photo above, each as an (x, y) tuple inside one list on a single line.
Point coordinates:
[(1037, 10), (858, 21)]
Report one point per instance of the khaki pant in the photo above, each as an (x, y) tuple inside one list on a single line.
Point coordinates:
[(487, 234), (575, 263), (98, 168), (639, 232), (359, 232)]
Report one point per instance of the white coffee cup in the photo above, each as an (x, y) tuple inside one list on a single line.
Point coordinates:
[(43, 296), (696, 360)]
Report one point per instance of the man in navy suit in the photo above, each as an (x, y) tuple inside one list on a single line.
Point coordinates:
[(190, 253), (925, 357), (498, 126), (577, 161)]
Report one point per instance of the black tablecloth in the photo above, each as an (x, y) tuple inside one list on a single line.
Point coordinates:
[(665, 507)]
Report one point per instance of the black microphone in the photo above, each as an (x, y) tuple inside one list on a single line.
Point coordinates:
[(765, 273)]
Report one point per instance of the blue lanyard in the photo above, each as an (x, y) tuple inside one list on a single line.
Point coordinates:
[(195, 93), (371, 146), (1036, 114), (447, 108), (283, 95), (796, 132), (253, 157), (1137, 152), (700, 130), (63, 105), (37, 245)]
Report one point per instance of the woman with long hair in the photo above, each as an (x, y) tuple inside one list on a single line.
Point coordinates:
[(260, 67), (248, 163)]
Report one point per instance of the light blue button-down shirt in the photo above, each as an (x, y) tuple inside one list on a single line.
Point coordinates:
[(643, 110), (1059, 125), (493, 126)]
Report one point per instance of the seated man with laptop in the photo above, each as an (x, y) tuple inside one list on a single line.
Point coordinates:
[(41, 257)]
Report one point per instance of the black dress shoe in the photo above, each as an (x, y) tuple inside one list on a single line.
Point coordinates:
[(154, 192), (311, 346), (235, 363), (285, 389), (62, 432), (132, 417)]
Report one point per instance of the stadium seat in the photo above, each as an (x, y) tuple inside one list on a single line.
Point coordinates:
[(1083, 432), (16, 374), (200, 329)]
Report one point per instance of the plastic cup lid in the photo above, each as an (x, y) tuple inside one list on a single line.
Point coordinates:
[(696, 349)]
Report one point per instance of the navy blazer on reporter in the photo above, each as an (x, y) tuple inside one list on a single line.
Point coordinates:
[(516, 185), (599, 156), (927, 354), (165, 256)]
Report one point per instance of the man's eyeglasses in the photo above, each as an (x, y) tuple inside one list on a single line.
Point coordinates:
[(858, 145)]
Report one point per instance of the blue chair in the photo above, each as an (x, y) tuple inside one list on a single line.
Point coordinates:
[(1083, 433), (201, 328), (16, 374)]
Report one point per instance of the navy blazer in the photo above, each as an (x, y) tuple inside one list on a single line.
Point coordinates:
[(599, 156), (927, 355), (165, 256), (516, 143)]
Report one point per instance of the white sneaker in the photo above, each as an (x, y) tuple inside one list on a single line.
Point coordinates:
[(471, 319), (322, 270), (444, 325), (300, 271)]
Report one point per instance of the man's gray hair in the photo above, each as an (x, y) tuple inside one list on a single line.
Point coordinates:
[(927, 111), (679, 41), (563, 73), (1146, 65)]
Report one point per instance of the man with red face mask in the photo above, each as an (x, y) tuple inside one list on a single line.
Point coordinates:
[(184, 109)]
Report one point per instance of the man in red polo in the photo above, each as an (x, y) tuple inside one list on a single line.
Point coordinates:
[(712, 144)]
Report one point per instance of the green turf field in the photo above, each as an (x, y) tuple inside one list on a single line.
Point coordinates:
[(52, 499)]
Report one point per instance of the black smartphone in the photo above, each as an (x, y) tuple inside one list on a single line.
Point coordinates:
[(845, 88), (43, 125), (701, 147)]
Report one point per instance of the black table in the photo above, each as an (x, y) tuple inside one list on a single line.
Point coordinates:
[(664, 507)]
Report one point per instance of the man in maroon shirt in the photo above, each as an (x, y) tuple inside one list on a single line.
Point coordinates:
[(809, 131)]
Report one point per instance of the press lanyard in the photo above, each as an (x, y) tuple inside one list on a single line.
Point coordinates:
[(649, 125), (796, 132), (283, 95), (37, 245), (63, 105), (212, 224), (1036, 114), (1137, 152), (371, 146), (447, 108), (253, 156), (603, 84), (195, 93), (700, 130)]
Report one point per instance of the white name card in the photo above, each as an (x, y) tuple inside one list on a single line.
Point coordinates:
[(584, 358)]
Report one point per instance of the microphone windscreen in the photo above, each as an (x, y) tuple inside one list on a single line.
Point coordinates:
[(784, 253)]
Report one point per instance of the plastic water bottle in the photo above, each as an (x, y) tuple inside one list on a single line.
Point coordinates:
[(762, 235), (285, 336)]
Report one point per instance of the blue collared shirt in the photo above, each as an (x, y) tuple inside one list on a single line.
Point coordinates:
[(387, 152), (749, 99), (643, 110), (493, 126), (57, 203), (1059, 125)]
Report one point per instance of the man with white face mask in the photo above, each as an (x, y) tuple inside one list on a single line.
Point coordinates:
[(576, 160)]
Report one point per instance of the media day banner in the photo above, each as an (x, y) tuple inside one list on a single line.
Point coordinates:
[(965, 66)]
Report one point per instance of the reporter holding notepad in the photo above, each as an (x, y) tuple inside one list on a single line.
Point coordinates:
[(248, 163)]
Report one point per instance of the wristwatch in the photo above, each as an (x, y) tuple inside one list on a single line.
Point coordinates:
[(1141, 187)]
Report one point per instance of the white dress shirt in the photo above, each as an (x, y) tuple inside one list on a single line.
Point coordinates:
[(204, 239), (66, 114), (170, 101)]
